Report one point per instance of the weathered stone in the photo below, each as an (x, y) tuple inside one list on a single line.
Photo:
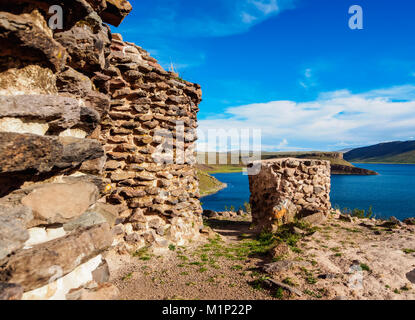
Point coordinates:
[(57, 290), (411, 276), (116, 11), (30, 79), (94, 166), (10, 291), (36, 267), (74, 82), (98, 214), (86, 220), (23, 152), (59, 112), (316, 218), (59, 202), (102, 273), (74, 10), (132, 238), (29, 32), (13, 233), (86, 46), (104, 291)]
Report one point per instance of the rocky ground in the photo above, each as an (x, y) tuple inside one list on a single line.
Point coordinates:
[(343, 258)]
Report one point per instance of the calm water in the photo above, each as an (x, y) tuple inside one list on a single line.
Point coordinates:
[(392, 193)]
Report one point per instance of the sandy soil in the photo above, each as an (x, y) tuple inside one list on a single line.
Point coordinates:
[(340, 260)]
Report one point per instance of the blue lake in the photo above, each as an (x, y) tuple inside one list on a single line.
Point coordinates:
[(392, 193)]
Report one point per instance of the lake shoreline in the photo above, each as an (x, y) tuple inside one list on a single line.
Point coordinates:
[(390, 193)]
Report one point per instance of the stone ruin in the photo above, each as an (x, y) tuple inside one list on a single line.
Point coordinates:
[(290, 189), (82, 166)]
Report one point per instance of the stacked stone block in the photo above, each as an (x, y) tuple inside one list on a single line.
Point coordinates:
[(149, 136)]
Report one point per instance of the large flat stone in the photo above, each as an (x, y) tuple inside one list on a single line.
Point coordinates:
[(57, 290), (60, 202), (59, 112), (97, 214), (44, 263), (41, 154), (79, 85)]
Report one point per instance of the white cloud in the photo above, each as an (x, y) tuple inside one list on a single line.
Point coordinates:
[(247, 18), (214, 18), (335, 118), (266, 7)]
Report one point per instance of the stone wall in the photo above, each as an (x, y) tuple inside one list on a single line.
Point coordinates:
[(149, 136), (290, 189), (80, 168)]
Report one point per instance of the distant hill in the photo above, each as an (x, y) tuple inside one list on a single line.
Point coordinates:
[(390, 152), (338, 164), (345, 150)]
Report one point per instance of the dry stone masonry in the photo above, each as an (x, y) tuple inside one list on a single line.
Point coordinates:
[(85, 161), (149, 136), (289, 189)]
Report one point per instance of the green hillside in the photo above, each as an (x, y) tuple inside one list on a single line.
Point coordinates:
[(335, 158), (338, 164), (391, 152), (208, 184)]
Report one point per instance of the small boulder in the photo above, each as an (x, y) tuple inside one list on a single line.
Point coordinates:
[(346, 218), (10, 291), (410, 221), (279, 250), (210, 213), (102, 273), (411, 276), (316, 218)]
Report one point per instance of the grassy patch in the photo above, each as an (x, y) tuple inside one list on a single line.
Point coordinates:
[(279, 293), (313, 294), (128, 276), (289, 282), (237, 267), (142, 254), (365, 267)]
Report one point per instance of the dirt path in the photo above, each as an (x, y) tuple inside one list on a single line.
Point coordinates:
[(337, 260)]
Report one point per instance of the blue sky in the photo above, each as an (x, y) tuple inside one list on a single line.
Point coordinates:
[(292, 68)]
